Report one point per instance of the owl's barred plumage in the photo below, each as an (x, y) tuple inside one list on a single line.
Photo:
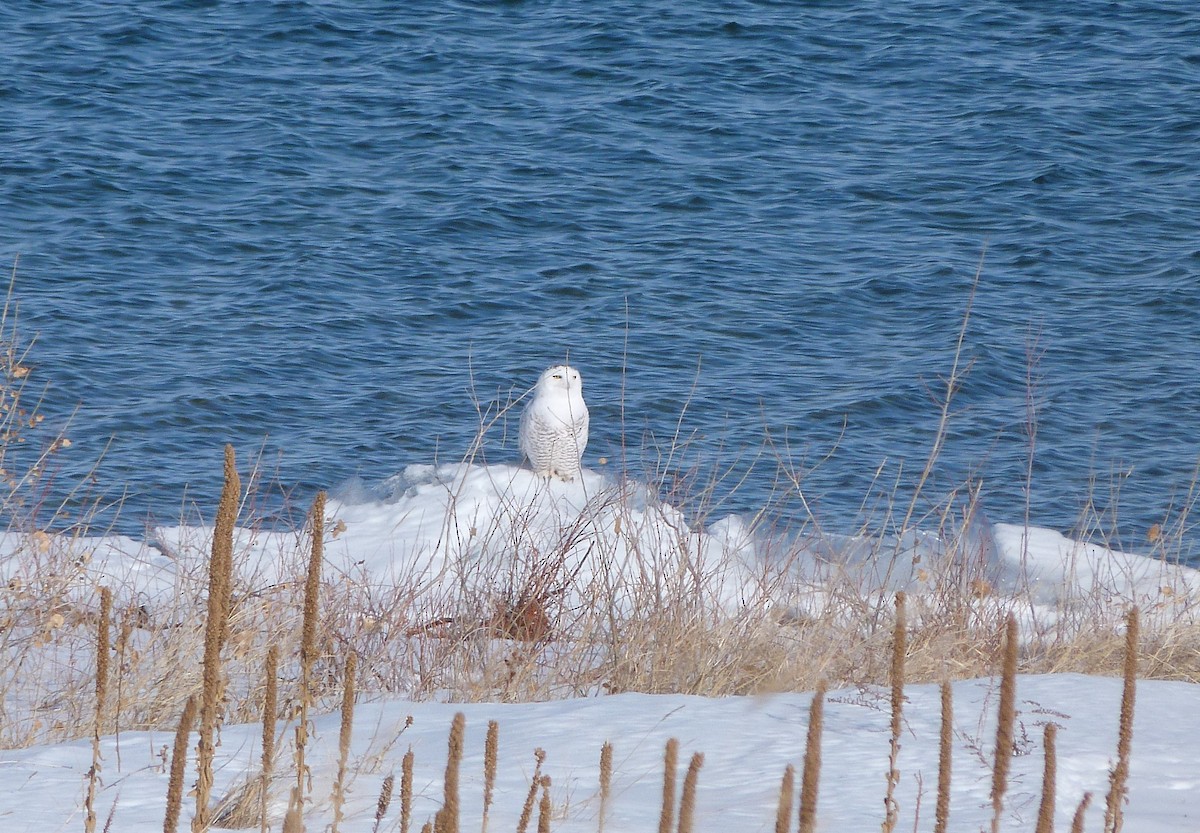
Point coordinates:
[(554, 425)]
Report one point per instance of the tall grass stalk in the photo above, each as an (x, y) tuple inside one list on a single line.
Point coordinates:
[(102, 651), (338, 799), (544, 807), (1004, 724), (666, 817), (539, 756), (446, 820), (269, 713), (941, 816), (406, 791), (899, 647), (384, 801), (953, 381), (1114, 814), (1080, 812), (178, 764), (491, 748), (811, 774), (220, 588), (308, 641), (783, 810), (1045, 819), (606, 764), (687, 802)]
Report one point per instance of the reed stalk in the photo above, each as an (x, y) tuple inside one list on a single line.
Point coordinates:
[(491, 747), (308, 642), (1005, 722), (293, 822), (1114, 813), (1045, 819), (220, 588), (270, 710), (406, 791), (338, 799), (384, 801), (102, 652), (783, 812), (544, 807), (178, 764), (687, 802), (941, 817), (606, 764), (899, 648), (811, 774), (666, 818), (1080, 812), (539, 756), (446, 820)]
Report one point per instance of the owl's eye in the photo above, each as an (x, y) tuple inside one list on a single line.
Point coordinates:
[(557, 375)]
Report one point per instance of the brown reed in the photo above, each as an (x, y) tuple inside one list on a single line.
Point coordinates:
[(687, 802), (178, 764), (270, 710), (338, 799), (102, 652), (308, 638), (491, 748), (293, 822), (103, 649), (531, 797), (406, 791), (1080, 811), (945, 760), (783, 813), (1005, 721), (811, 774), (606, 764), (446, 820), (899, 648), (1114, 814), (384, 801), (220, 587), (544, 807), (1045, 819), (666, 818)]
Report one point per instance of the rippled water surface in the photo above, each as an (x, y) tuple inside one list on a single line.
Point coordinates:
[(330, 230)]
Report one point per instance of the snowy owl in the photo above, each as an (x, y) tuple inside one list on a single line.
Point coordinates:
[(554, 426)]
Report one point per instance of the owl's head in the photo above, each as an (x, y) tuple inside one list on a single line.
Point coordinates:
[(560, 378)]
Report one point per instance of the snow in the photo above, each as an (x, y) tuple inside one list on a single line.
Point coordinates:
[(444, 530), (747, 742)]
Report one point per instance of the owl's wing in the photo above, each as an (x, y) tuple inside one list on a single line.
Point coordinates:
[(581, 432)]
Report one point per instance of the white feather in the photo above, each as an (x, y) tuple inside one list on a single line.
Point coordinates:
[(554, 425)]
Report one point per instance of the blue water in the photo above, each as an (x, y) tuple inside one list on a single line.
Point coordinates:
[(328, 231)]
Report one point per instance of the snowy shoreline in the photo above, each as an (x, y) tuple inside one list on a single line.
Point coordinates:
[(747, 742), (455, 544)]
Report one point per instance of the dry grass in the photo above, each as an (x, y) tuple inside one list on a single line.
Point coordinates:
[(810, 776), (1114, 803), (941, 818), (695, 634), (783, 812), (1002, 756), (523, 621), (220, 587)]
